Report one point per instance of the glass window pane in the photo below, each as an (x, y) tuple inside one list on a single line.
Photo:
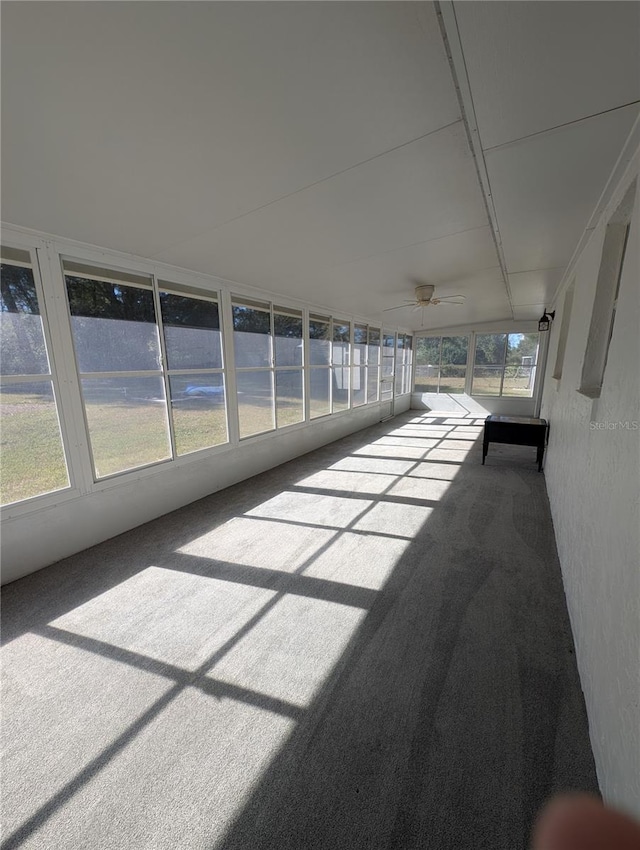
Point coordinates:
[(403, 357), (359, 368), (340, 349), (427, 364), (289, 397), (191, 332), (251, 320), (452, 379), (373, 352), (252, 337), (340, 395), (386, 390), (488, 370), (454, 350), (320, 398), (388, 366), (341, 331), (408, 356), (519, 373), (490, 349), (519, 381), (33, 460), (127, 421), (22, 350), (114, 326), (288, 340), (255, 402), (199, 411), (373, 383), (359, 385), (486, 380), (319, 342), (453, 370), (360, 334)]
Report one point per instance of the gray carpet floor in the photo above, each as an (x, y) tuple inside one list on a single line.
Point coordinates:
[(367, 647)]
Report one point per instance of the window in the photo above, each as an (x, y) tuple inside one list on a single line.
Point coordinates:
[(606, 299), (365, 366), (373, 364), (193, 351), (388, 365), (319, 366), (359, 365), (289, 360), (441, 364), (117, 347), (252, 345), (341, 340), (505, 364), (399, 364), (33, 458), (564, 332), (404, 363), (269, 355)]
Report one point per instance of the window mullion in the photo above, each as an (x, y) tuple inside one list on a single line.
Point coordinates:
[(504, 362), (66, 380), (229, 361), (306, 370), (164, 366), (471, 361)]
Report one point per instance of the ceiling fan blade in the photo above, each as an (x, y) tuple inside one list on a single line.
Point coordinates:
[(449, 299), (399, 307), (417, 307)]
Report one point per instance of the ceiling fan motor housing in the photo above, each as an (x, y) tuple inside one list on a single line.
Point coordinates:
[(424, 292)]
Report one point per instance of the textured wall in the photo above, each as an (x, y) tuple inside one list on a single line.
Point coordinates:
[(593, 478)]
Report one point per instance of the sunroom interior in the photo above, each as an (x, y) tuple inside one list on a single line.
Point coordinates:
[(217, 218)]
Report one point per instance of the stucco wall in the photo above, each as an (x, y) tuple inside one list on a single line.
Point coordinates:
[(593, 478)]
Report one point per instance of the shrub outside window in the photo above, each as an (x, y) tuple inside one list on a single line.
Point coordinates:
[(441, 364), (505, 364)]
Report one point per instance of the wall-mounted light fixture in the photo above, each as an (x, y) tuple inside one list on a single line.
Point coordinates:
[(544, 323)]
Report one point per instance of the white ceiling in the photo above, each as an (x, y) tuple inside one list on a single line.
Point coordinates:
[(318, 149)]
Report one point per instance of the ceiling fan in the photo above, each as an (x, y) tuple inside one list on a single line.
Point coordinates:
[(424, 297)]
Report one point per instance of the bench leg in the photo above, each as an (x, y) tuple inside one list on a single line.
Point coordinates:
[(485, 447)]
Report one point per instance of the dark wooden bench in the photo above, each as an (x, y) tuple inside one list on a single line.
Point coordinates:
[(517, 430)]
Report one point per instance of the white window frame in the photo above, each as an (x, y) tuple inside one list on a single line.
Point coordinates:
[(272, 368), (280, 310), (606, 298), (470, 347), (314, 316), (567, 307), (57, 375), (171, 288), (142, 373), (536, 366)]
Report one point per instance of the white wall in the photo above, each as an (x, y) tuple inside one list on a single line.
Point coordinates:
[(593, 480), (463, 405), (41, 537)]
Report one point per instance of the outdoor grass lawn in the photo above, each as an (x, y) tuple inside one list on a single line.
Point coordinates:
[(124, 435), (514, 387), (31, 450)]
